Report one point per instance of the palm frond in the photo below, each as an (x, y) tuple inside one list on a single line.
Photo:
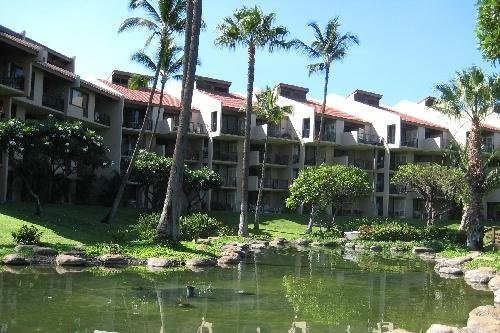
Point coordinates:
[(138, 22), (142, 58), (138, 81), (148, 7)]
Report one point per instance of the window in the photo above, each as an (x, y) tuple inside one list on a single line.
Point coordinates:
[(16, 71), (79, 99), (13, 111), (391, 134), (214, 121), (32, 86), (306, 124)]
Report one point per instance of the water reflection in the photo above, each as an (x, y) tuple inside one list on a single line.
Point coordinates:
[(299, 292)]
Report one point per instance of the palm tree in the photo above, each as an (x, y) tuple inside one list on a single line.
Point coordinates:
[(271, 114), (161, 23), (473, 96), (170, 66), (327, 46), (168, 225), (251, 28)]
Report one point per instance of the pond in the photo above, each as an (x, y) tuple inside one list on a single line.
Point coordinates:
[(275, 291)]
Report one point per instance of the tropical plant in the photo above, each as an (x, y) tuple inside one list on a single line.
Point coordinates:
[(439, 186), (251, 28), (488, 29), (271, 114), (161, 22), (328, 185), (170, 66), (197, 182), (327, 47), (168, 224), (472, 96)]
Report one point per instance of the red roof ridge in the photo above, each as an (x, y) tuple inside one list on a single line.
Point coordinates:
[(490, 127), (227, 99), (101, 88), (331, 111), (411, 119), (20, 41), (60, 70)]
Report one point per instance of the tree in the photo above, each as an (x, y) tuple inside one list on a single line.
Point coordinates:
[(488, 29), (45, 154), (168, 225), (251, 28), (472, 96), (196, 184), (161, 23), (327, 46), (328, 185), (170, 66), (271, 113), (438, 185)]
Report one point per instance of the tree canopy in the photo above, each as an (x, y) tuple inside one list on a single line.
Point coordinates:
[(488, 29)]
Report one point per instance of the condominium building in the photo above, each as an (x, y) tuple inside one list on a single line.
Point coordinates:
[(36, 81)]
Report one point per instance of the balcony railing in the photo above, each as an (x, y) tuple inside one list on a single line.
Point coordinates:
[(362, 164), (413, 142), (128, 123), (394, 165), (397, 189), (233, 130), (53, 101), (277, 159), (295, 158), (192, 155), (329, 136), (225, 156), (102, 118), (13, 82), (197, 128), (221, 206), (228, 182), (369, 139), (275, 131), (379, 187), (277, 184), (305, 132)]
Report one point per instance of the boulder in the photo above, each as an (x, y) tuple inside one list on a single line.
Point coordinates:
[(484, 319), (15, 259), (234, 253), (349, 245), (200, 262), (70, 260), (44, 251), (239, 246), (480, 275), (258, 246), (228, 260), (422, 249), (398, 330), (496, 297), (163, 262), (438, 328), (455, 261), (359, 247), (203, 241), (316, 244), (23, 247), (452, 270), (397, 249), (113, 260), (375, 248), (303, 242), (494, 283)]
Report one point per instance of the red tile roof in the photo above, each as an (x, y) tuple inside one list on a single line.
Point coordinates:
[(228, 100), (58, 70), (490, 127), (97, 87), (20, 41), (331, 111), (142, 95), (410, 119)]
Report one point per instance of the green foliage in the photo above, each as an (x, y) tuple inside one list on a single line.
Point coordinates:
[(27, 235), (198, 225), (267, 108), (488, 29), (333, 232), (146, 226)]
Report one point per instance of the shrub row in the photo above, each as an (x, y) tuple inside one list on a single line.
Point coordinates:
[(403, 232)]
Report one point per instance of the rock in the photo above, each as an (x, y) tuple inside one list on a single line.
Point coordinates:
[(70, 260), (478, 286), (238, 246), (70, 269), (422, 249), (257, 246), (316, 244), (200, 262), (279, 241), (451, 270), (480, 275), (427, 256), (484, 319), (349, 245), (113, 260), (234, 253), (455, 261), (397, 249), (496, 296), (163, 262), (398, 330), (303, 242), (23, 248), (15, 260), (494, 283), (201, 247), (359, 247), (228, 260), (79, 248), (44, 251), (438, 328), (203, 241), (375, 248)]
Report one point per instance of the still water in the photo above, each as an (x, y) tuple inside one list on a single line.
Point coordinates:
[(275, 291)]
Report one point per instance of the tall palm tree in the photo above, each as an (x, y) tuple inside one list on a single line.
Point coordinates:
[(271, 113), (170, 66), (327, 46), (162, 23), (168, 225), (472, 96), (251, 28)]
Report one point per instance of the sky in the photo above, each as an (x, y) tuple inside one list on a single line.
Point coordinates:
[(406, 46)]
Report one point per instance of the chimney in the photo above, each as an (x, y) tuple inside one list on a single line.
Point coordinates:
[(292, 92), (428, 101), (121, 78), (365, 97), (211, 84)]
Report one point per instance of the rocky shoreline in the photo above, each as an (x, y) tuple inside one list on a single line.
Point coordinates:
[(483, 319)]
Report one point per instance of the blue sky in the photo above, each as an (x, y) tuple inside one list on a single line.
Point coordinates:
[(406, 47)]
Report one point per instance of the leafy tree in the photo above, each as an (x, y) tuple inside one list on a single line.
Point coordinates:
[(327, 46), (253, 29), (45, 154), (488, 29), (271, 114), (168, 224), (328, 185), (170, 66), (438, 185), (472, 96), (196, 184), (161, 23)]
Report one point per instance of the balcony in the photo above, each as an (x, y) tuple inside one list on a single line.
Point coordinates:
[(53, 102), (488, 147), (397, 189), (276, 131), (268, 183), (379, 187), (13, 82), (295, 158), (362, 164), (197, 128), (134, 124), (228, 182), (221, 206), (225, 156), (193, 155), (329, 136), (102, 118), (433, 144), (409, 142), (369, 139)]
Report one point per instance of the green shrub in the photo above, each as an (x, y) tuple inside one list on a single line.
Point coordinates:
[(391, 232), (451, 236), (146, 226), (333, 232), (225, 230), (198, 225), (27, 235)]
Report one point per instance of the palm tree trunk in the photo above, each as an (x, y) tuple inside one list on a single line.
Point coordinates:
[(261, 186), (472, 219), (321, 122), (168, 225), (121, 189), (150, 144), (243, 226), (311, 221)]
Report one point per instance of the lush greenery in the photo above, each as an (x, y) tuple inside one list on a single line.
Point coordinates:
[(27, 235), (439, 186), (488, 29)]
